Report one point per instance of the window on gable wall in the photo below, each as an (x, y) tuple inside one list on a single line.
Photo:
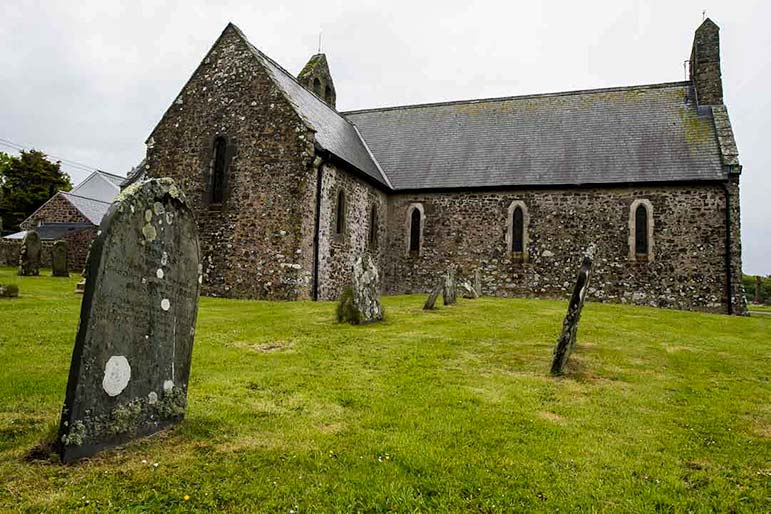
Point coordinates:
[(340, 215), (218, 170)]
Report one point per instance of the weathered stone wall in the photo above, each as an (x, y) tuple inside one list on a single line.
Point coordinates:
[(468, 230), (77, 250), (337, 252), (9, 252), (258, 243), (56, 210)]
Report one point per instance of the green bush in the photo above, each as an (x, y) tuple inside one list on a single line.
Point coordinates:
[(750, 284)]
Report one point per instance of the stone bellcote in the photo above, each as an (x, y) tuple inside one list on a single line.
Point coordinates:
[(315, 77), (705, 64)]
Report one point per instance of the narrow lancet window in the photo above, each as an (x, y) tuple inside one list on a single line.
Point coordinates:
[(218, 170), (641, 231), (340, 220), (373, 222), (415, 231), (317, 86), (517, 230)]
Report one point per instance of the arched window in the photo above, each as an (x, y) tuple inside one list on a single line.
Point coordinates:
[(328, 94), (415, 231), (413, 226), (517, 231), (218, 170), (317, 86), (340, 215), (373, 226), (641, 231)]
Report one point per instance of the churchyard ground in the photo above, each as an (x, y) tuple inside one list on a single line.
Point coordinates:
[(445, 410)]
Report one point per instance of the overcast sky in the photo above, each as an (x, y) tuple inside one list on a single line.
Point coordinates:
[(88, 80)]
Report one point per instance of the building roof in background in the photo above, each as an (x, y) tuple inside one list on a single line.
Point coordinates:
[(53, 231), (99, 185), (91, 208), (633, 134)]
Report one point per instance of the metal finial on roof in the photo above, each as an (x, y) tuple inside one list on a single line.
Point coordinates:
[(703, 15), (319, 42)]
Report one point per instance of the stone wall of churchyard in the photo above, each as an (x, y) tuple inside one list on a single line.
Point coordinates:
[(337, 252), (258, 242), (78, 245), (56, 210), (468, 230)]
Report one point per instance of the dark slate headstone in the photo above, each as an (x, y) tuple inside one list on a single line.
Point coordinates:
[(567, 339), (29, 258), (431, 300), (478, 282), (468, 291), (131, 361), (59, 259), (449, 295), (361, 302)]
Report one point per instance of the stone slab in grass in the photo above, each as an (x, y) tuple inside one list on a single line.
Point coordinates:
[(360, 303), (449, 292), (59, 259), (29, 257), (468, 291), (9, 291), (131, 360), (567, 339), (431, 300)]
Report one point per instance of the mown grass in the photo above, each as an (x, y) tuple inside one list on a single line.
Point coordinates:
[(450, 410)]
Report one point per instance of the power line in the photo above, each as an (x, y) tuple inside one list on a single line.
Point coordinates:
[(74, 164)]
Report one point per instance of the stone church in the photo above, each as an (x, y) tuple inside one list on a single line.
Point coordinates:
[(287, 190)]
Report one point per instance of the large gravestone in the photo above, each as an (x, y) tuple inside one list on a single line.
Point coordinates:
[(29, 258), (567, 339), (131, 361), (449, 293), (361, 302), (59, 259), (431, 300)]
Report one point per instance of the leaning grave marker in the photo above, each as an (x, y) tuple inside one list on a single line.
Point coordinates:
[(131, 360), (431, 300), (449, 293), (29, 257), (567, 339), (361, 302), (59, 259)]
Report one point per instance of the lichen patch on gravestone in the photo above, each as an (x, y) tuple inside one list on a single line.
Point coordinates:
[(117, 373)]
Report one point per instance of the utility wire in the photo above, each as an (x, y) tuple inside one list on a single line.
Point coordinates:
[(74, 164)]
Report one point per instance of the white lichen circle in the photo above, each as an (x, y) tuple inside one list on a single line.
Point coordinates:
[(117, 374), (168, 385), (165, 304), (159, 273)]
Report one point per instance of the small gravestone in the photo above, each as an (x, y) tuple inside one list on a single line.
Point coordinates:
[(131, 361), (80, 287), (449, 295), (9, 291), (361, 302), (478, 282), (468, 291), (567, 339), (59, 259), (29, 258), (431, 300)]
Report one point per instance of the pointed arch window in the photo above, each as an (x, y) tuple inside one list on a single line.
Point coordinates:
[(373, 227), (219, 169), (414, 225), (340, 213), (517, 231), (641, 231), (317, 86), (328, 94)]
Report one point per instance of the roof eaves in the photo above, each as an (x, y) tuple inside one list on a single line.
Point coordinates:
[(374, 160)]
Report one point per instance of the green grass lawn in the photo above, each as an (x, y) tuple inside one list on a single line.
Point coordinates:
[(450, 410)]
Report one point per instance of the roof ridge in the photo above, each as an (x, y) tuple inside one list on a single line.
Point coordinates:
[(112, 174), (660, 85), (67, 193)]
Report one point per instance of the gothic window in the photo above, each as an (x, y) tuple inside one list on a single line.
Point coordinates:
[(317, 86), (340, 216), (517, 231), (415, 220), (327, 94), (373, 226), (641, 231), (219, 169)]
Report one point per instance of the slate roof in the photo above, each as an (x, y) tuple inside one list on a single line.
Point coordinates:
[(605, 136), (53, 231), (333, 132), (91, 208)]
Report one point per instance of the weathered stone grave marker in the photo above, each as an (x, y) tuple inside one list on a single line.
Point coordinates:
[(478, 282), (449, 294), (433, 295), (468, 291), (131, 361), (29, 258), (59, 259), (361, 302), (9, 291), (567, 339)]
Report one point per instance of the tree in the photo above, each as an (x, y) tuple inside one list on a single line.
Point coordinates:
[(26, 183)]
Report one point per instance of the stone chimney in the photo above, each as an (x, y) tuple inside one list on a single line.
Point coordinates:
[(315, 77), (705, 64)]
